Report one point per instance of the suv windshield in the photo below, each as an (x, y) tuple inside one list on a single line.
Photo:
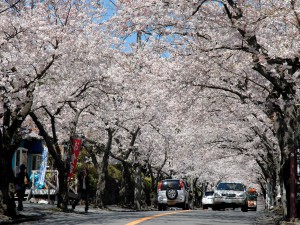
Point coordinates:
[(170, 184), (231, 186)]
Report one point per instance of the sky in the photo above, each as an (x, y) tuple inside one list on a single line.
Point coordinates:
[(110, 5), (111, 10)]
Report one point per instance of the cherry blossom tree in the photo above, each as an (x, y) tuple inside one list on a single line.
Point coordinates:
[(246, 49), (73, 86), (196, 89), (21, 69), (37, 45)]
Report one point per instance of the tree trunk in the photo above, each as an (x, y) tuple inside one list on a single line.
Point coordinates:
[(62, 196), (62, 166), (138, 187), (101, 183), (286, 126), (9, 142), (154, 182), (7, 188), (127, 185), (103, 172)]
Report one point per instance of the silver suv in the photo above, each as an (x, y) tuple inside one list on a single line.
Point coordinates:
[(172, 192), (230, 195)]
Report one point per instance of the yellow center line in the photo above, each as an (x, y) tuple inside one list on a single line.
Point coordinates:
[(154, 216)]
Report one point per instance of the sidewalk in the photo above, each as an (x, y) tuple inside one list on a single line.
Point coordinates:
[(36, 211), (272, 217), (268, 218)]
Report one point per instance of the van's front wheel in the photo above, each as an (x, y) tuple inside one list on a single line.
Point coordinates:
[(244, 208)]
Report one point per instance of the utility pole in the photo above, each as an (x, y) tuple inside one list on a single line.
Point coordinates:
[(292, 185), (298, 182), (294, 173)]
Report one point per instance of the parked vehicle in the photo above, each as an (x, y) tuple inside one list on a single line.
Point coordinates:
[(207, 199), (172, 192), (252, 199), (230, 195)]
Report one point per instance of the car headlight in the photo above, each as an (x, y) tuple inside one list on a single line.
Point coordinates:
[(242, 195), (216, 194)]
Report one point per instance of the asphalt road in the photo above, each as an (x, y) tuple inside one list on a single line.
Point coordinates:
[(176, 217), (119, 216)]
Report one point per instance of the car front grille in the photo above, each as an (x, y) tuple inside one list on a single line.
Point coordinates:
[(229, 195)]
